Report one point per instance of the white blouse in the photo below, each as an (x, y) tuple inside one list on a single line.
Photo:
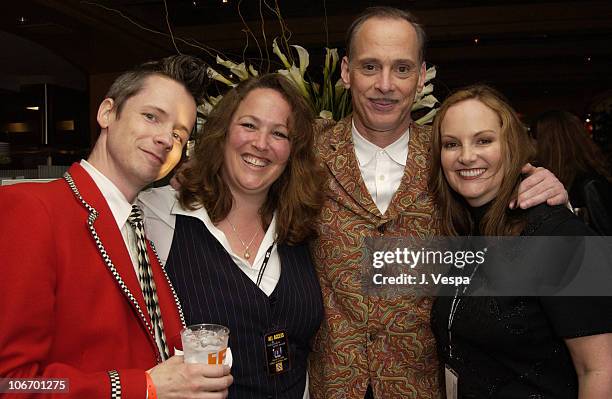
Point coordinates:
[(160, 207)]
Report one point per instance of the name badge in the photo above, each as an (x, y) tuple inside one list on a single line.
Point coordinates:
[(277, 352), (452, 381)]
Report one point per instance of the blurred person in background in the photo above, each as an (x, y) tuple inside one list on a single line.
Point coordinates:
[(564, 148)]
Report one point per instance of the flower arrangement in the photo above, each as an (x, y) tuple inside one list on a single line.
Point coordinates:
[(328, 99)]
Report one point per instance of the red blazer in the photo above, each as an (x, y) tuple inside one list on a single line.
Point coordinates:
[(70, 302)]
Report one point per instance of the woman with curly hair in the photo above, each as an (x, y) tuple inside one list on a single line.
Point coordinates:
[(234, 237)]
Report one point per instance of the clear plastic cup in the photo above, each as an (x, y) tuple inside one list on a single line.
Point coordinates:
[(205, 343)]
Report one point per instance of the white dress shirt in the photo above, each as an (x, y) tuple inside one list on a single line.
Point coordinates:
[(382, 169), (119, 206), (160, 207)]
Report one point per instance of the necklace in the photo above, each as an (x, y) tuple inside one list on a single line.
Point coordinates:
[(246, 247)]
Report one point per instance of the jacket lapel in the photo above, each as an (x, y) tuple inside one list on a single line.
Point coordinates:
[(413, 192), (340, 159), (109, 242), (416, 163)]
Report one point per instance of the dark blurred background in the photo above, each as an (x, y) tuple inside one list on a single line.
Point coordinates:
[(58, 57)]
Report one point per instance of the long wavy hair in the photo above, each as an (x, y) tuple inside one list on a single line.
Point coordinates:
[(517, 149), (565, 149), (300, 186)]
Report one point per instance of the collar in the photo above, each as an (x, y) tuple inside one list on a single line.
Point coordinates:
[(201, 214), (366, 151), (118, 204)]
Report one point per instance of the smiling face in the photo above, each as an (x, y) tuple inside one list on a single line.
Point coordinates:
[(471, 153), (258, 143), (384, 74), (147, 138)]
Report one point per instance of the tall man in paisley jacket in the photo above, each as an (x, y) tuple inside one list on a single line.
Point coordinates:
[(71, 304), (377, 161)]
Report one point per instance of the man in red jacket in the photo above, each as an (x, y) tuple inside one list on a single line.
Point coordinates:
[(71, 293)]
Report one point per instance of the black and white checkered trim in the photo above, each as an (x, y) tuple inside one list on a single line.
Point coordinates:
[(176, 300), (93, 215), (115, 384)]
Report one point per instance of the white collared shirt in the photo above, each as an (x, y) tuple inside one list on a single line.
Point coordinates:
[(160, 207), (119, 207), (382, 169)]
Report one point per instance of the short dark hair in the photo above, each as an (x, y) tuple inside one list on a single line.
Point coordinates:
[(389, 13), (299, 186), (189, 71)]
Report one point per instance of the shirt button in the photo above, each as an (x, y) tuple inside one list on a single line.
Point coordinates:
[(381, 229), (381, 177)]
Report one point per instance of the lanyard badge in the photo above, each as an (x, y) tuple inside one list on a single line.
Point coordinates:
[(451, 377), (277, 352)]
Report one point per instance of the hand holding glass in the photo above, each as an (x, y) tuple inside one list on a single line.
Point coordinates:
[(205, 343)]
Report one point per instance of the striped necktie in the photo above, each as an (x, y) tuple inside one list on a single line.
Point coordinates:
[(145, 277)]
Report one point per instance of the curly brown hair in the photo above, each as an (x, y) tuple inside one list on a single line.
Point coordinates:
[(517, 149), (296, 196)]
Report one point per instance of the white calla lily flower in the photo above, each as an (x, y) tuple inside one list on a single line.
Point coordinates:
[(293, 73), (424, 102), (212, 74), (238, 69), (253, 71), (428, 89), (427, 118), (205, 108), (304, 58), (430, 73), (283, 58), (325, 114)]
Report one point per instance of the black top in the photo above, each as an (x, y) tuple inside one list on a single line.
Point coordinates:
[(212, 289), (513, 347), (591, 193)]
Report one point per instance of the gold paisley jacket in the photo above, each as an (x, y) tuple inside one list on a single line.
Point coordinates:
[(363, 339)]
